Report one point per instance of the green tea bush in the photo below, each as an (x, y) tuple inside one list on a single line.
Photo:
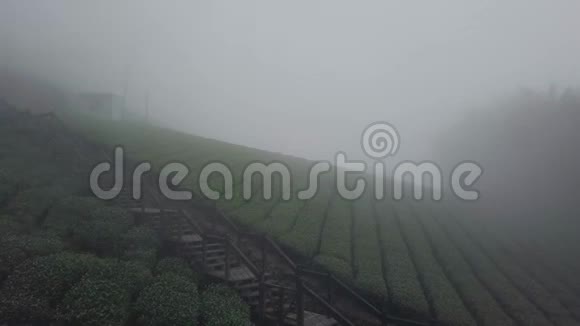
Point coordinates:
[(141, 237), (68, 212), (367, 253), (95, 302), (15, 248), (38, 284), (6, 191), (103, 231), (130, 276), (113, 214), (11, 168), (100, 237), (281, 218), (100, 230), (9, 226), (25, 171), (405, 291), (176, 266), (34, 244), (254, 212), (147, 258), (10, 257), (73, 182), (339, 267), (20, 307), (170, 300), (221, 306), (306, 230), (446, 301), (30, 204), (336, 236)]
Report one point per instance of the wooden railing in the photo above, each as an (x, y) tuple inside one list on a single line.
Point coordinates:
[(332, 281), (274, 246), (282, 292), (333, 312), (328, 278)]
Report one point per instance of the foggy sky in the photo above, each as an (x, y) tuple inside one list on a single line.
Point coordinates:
[(299, 77)]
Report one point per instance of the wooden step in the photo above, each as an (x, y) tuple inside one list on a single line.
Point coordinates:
[(239, 273), (244, 286), (152, 211), (199, 246), (189, 239), (311, 319), (211, 260), (209, 252), (220, 264)]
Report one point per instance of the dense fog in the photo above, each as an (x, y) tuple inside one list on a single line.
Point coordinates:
[(527, 144), (305, 77)]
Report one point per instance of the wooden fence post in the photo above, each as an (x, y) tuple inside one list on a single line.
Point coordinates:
[(329, 287), (281, 306), (227, 267), (163, 222), (384, 317), (299, 299), (263, 243), (142, 199), (204, 250), (262, 302)]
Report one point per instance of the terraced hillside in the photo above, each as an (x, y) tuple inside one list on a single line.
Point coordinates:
[(425, 260), (67, 258)]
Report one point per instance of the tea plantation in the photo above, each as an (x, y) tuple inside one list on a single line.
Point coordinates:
[(425, 260), (70, 259)]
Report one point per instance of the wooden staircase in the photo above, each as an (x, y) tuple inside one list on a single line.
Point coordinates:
[(272, 299)]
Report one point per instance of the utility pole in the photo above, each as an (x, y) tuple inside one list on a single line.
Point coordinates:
[(125, 86), (147, 107)]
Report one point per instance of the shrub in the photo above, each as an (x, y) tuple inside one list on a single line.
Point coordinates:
[(102, 232), (141, 245), (25, 171), (221, 306), (72, 184), (146, 258), (336, 266), (9, 227), (15, 248), (6, 176), (6, 191), (100, 237), (29, 205), (66, 213), (142, 238), (8, 180), (38, 284), (170, 300), (113, 214), (95, 302), (18, 307), (176, 266), (10, 257), (129, 276), (34, 244)]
